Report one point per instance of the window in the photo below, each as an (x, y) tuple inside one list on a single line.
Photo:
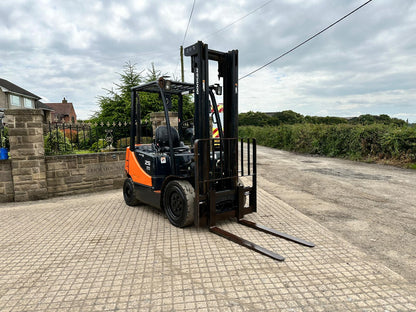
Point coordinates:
[(27, 103), (14, 101)]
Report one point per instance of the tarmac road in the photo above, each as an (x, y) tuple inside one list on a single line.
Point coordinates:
[(371, 206)]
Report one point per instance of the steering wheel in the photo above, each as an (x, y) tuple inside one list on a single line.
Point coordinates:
[(186, 128), (181, 149), (189, 123)]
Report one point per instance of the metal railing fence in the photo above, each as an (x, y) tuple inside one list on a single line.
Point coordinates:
[(66, 138)]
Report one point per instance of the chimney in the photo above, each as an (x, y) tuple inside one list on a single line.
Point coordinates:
[(64, 100)]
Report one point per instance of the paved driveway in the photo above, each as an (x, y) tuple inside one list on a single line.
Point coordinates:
[(94, 253)]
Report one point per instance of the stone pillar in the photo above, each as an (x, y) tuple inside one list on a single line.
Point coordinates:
[(27, 153), (6, 181), (158, 119)]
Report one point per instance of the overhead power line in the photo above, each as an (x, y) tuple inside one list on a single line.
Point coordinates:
[(189, 22), (239, 19), (219, 30), (302, 43), (183, 42)]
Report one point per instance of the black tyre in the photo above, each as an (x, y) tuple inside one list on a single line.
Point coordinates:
[(129, 193), (178, 201)]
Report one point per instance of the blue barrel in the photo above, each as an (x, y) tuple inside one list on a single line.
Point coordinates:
[(4, 153)]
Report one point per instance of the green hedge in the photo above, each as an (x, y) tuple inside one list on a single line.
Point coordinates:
[(376, 141)]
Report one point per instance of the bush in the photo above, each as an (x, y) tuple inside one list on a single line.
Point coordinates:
[(55, 142), (99, 145), (71, 135), (84, 140), (123, 143), (375, 141), (400, 143), (289, 117), (4, 137)]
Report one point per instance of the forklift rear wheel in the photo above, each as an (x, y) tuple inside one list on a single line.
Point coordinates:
[(129, 193), (178, 201)]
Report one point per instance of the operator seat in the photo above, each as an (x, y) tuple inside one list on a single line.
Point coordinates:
[(162, 138)]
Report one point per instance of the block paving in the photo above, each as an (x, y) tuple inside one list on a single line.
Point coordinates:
[(94, 253)]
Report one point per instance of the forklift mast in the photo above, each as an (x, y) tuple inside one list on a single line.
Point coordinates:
[(209, 187), (228, 70)]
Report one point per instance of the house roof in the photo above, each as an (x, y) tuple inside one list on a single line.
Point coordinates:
[(61, 108), (7, 86), (40, 105)]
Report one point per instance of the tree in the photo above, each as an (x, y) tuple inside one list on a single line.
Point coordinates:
[(328, 120), (253, 119), (153, 74), (373, 119), (115, 106), (288, 117)]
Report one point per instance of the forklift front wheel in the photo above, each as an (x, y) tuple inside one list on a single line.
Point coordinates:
[(129, 193), (178, 201)]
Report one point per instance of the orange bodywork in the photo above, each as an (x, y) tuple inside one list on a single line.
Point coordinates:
[(134, 170)]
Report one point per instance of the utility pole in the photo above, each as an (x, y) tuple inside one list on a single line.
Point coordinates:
[(182, 73)]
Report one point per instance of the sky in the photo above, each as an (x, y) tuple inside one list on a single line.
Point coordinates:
[(76, 49)]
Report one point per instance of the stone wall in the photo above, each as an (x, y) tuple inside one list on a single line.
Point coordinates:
[(158, 119), (75, 174), (6, 181), (30, 175)]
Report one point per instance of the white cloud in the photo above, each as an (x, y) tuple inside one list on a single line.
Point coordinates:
[(74, 49)]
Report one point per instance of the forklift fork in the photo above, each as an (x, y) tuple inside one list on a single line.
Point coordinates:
[(243, 242), (205, 192), (250, 245), (276, 233)]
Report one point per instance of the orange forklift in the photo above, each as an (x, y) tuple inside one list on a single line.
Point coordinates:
[(200, 183)]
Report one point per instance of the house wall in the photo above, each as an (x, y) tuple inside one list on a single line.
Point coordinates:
[(3, 101), (58, 117), (21, 99), (47, 117), (63, 112), (72, 115)]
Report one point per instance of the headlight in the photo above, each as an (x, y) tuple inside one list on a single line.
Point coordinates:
[(165, 84)]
